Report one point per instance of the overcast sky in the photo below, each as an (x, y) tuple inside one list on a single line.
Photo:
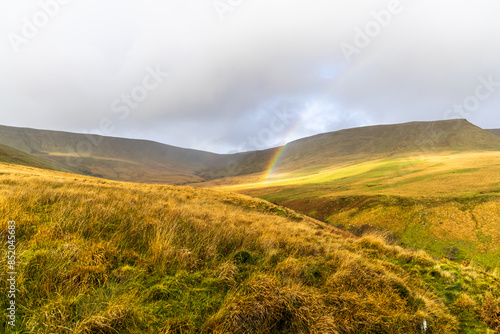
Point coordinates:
[(232, 75)]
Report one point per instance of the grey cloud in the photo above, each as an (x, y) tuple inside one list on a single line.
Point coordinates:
[(227, 78)]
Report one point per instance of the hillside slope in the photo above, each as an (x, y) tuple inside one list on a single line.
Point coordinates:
[(436, 202), (496, 132), (130, 159), (314, 155), (108, 257), (386, 140), (151, 162), (109, 157), (16, 157)]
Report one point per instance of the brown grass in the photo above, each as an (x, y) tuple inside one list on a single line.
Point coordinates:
[(98, 256)]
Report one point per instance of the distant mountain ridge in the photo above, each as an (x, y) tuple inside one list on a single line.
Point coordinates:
[(151, 162), (413, 137), (494, 131), (108, 157)]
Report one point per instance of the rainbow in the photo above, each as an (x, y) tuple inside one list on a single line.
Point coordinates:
[(346, 74), (274, 161), (277, 156)]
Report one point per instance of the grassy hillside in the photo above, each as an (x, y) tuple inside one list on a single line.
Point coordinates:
[(151, 162), (109, 157), (13, 156), (494, 131), (130, 159), (317, 154), (368, 143), (99, 256), (447, 204)]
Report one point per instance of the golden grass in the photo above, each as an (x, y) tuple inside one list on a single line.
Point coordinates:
[(437, 175), (430, 201), (98, 256)]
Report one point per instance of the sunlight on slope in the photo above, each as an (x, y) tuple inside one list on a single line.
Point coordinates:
[(100, 256), (447, 204), (422, 176)]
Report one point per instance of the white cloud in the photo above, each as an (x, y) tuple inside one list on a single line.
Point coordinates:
[(224, 75)]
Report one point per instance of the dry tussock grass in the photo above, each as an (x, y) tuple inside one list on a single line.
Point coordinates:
[(491, 311), (98, 256)]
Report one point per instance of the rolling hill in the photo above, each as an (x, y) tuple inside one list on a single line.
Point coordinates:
[(108, 157), (16, 157), (443, 176), (151, 162), (128, 159), (431, 185), (447, 203), (99, 256), (494, 131), (366, 143), (312, 154)]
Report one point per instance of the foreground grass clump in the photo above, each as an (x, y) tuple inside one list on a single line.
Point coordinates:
[(99, 256)]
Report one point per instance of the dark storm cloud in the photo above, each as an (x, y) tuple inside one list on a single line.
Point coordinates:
[(233, 66)]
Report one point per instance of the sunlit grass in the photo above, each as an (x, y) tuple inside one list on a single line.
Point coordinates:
[(420, 176), (432, 202), (99, 256)]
